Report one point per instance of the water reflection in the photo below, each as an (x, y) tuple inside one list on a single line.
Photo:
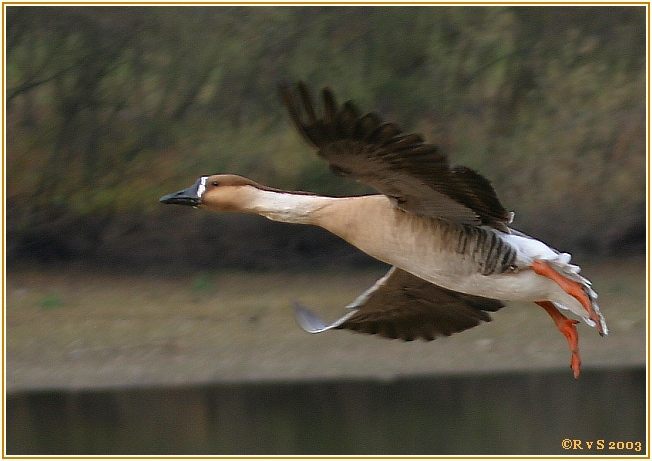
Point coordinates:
[(507, 414)]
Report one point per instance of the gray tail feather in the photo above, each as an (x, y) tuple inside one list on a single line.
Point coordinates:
[(571, 271)]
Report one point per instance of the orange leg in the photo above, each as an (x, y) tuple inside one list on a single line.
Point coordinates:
[(569, 286), (567, 328)]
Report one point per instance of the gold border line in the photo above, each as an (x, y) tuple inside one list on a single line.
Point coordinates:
[(326, 3), (4, 275), (419, 457), (647, 375), (299, 4)]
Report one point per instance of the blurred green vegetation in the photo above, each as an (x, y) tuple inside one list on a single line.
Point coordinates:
[(109, 108), (50, 301)]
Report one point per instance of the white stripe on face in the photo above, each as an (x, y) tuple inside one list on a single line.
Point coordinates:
[(202, 186)]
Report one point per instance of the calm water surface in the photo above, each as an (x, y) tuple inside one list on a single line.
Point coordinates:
[(506, 414)]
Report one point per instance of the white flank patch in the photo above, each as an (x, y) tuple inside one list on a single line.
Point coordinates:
[(528, 249)]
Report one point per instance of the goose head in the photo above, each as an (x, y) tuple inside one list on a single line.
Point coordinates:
[(218, 192)]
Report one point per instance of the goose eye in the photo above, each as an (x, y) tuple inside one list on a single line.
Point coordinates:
[(215, 183)]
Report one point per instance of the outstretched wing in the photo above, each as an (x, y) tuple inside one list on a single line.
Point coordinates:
[(401, 305), (402, 166)]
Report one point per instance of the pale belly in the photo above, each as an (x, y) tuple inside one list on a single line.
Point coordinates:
[(420, 247), (441, 269), (453, 271)]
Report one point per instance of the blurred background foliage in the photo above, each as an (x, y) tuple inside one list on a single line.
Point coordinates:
[(109, 108)]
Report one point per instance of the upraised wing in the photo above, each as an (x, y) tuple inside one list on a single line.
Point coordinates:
[(402, 166), (401, 305)]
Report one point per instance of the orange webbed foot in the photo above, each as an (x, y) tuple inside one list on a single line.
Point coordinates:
[(567, 327)]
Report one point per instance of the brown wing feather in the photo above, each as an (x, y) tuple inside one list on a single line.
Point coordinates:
[(408, 308), (401, 305), (399, 165)]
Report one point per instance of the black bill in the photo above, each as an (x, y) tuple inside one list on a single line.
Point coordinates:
[(190, 196)]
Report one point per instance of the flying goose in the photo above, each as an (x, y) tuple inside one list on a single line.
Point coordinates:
[(442, 229)]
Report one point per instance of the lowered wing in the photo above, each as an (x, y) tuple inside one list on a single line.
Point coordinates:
[(401, 305)]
